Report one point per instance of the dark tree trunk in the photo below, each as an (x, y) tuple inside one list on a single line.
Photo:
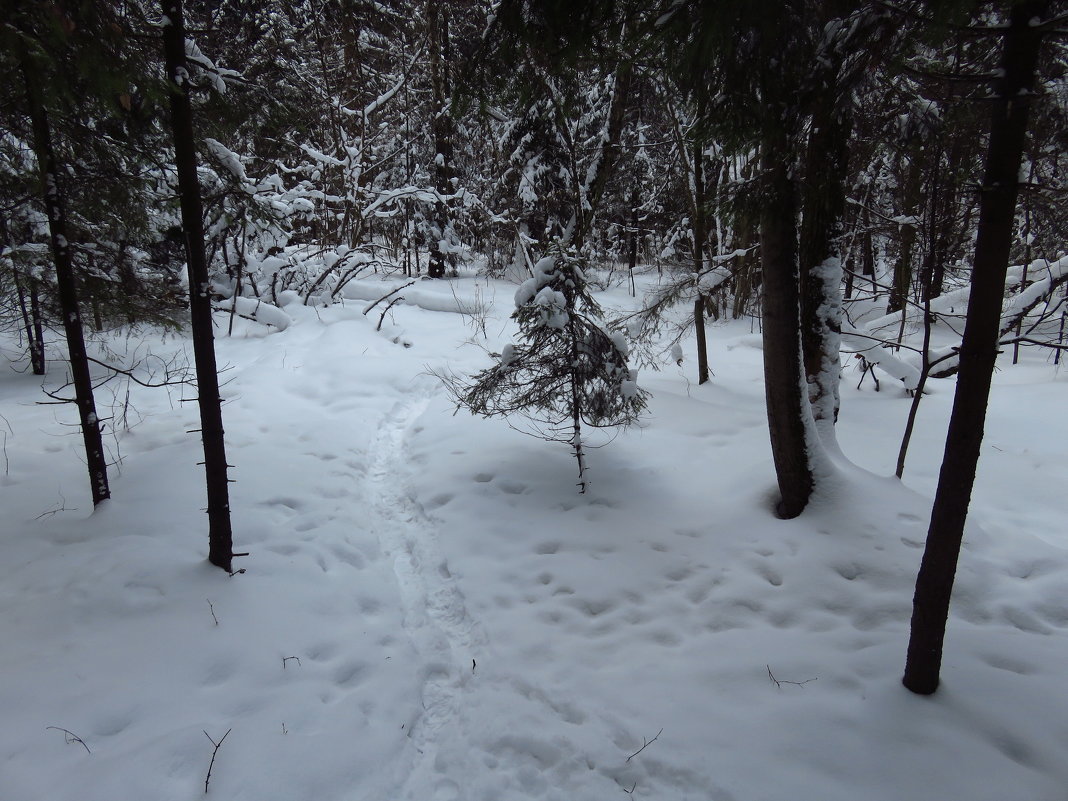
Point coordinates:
[(903, 267), (632, 255), (702, 342), (37, 351), (66, 285), (700, 237), (867, 252), (789, 417), (942, 228), (220, 539), (31, 319), (788, 410), (1008, 129), (438, 23)]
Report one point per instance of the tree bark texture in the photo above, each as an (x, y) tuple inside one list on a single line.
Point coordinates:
[(789, 415), (220, 538), (1008, 129), (66, 284), (788, 410)]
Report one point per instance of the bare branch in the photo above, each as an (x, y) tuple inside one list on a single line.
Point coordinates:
[(388, 294), (70, 737), (213, 754), (646, 744), (780, 682)]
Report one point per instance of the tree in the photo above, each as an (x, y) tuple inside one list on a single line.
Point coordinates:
[(1010, 110), (569, 372), (440, 66), (220, 538), (32, 55)]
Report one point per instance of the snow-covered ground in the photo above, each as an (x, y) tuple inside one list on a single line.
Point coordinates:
[(431, 612)]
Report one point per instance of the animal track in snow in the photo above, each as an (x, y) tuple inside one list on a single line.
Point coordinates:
[(350, 674)]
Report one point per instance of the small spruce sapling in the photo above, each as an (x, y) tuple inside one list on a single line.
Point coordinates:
[(568, 371)]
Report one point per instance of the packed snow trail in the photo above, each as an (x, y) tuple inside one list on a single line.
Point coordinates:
[(434, 614)]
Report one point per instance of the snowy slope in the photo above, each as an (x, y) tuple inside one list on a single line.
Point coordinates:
[(466, 626)]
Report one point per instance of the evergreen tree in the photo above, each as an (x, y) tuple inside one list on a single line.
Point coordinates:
[(569, 371)]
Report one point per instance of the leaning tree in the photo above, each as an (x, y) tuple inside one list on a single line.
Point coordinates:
[(1028, 25)]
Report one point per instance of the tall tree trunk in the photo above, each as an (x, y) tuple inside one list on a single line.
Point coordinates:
[(867, 252), (793, 439), (788, 409), (66, 284), (438, 23), (700, 236), (220, 538), (632, 250), (943, 229), (1008, 129), (31, 320), (37, 351), (821, 255), (903, 267)]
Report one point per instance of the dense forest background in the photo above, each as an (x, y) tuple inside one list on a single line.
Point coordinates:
[(339, 138)]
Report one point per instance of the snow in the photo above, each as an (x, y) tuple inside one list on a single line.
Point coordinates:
[(552, 306), (256, 309), (228, 159), (543, 273), (467, 627)]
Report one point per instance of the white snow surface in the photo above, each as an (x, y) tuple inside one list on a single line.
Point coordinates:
[(467, 627), (256, 309)]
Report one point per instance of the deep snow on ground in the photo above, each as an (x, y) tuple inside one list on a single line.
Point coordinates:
[(432, 612)]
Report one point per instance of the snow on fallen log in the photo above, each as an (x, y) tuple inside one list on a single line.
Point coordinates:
[(412, 296), (1042, 277), (254, 309), (873, 348), (1047, 276)]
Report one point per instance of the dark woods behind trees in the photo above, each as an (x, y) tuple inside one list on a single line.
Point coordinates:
[(828, 167)]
